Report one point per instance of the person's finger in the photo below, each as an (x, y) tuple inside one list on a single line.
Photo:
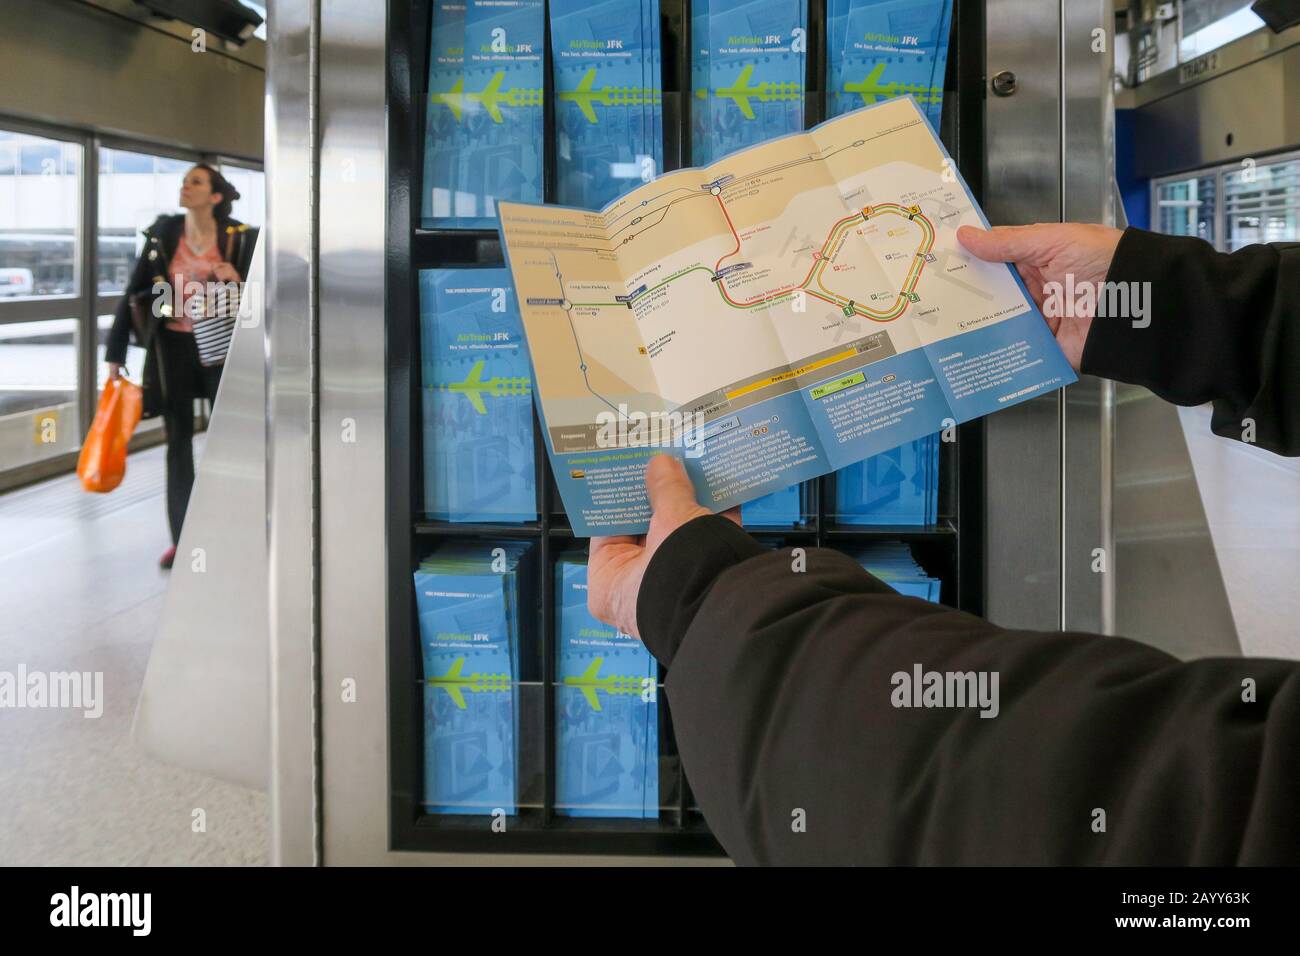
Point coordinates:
[(1006, 243), (668, 484), (733, 514)]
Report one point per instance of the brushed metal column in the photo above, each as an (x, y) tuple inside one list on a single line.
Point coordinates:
[(292, 530), (1088, 175), (1050, 159), (1023, 444), (354, 581)]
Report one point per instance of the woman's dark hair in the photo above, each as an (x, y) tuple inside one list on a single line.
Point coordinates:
[(220, 184)]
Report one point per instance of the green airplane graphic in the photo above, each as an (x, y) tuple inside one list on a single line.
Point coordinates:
[(455, 683), (474, 388), (871, 88), (589, 684), (585, 95), (490, 97), (453, 99), (741, 92)]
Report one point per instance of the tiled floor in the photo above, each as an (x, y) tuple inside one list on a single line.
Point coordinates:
[(80, 590)]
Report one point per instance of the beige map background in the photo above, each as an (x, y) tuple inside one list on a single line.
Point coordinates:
[(780, 202)]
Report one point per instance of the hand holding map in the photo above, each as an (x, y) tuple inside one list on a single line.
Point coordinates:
[(786, 311)]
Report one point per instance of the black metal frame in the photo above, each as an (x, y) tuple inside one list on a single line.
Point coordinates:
[(953, 549)]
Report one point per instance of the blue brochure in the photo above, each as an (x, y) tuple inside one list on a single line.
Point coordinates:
[(879, 49), (747, 69), (783, 508), (471, 599), (607, 754), (477, 398), (484, 128), (608, 98), (895, 487)]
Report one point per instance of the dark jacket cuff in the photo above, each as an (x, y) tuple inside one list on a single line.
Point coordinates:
[(1115, 347), (680, 576)]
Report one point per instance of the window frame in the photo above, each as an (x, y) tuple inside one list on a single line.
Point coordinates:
[(1219, 173), (87, 304)]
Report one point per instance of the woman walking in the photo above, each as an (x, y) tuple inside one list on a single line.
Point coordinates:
[(170, 308)]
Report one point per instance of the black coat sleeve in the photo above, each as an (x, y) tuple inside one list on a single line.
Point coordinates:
[(782, 692), (141, 280), (1224, 328)]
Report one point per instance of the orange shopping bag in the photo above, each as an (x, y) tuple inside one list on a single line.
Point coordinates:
[(103, 454)]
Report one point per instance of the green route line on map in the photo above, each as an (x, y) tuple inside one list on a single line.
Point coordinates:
[(642, 208), (582, 359), (905, 296), (908, 290), (672, 278), (824, 256)]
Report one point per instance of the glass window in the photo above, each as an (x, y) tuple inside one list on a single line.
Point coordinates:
[(167, 166), (134, 191), (1261, 203), (121, 161), (38, 391), (1185, 207), (251, 183), (8, 153), (1210, 24), (40, 215), (41, 159)]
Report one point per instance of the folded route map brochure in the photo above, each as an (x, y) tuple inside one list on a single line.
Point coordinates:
[(789, 310)]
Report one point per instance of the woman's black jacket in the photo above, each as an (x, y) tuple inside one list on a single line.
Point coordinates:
[(235, 241)]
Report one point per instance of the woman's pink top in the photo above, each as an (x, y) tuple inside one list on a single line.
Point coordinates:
[(187, 267)]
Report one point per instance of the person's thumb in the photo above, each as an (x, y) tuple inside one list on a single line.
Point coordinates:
[(1003, 243), (669, 486)]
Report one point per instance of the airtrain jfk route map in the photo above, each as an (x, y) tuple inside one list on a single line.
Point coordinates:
[(785, 269), (756, 272)]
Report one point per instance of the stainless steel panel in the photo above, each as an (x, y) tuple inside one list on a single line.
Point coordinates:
[(1023, 444), (1050, 158), (1248, 112), (291, 177), (204, 702), (1210, 67), (354, 612), (1088, 175)]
